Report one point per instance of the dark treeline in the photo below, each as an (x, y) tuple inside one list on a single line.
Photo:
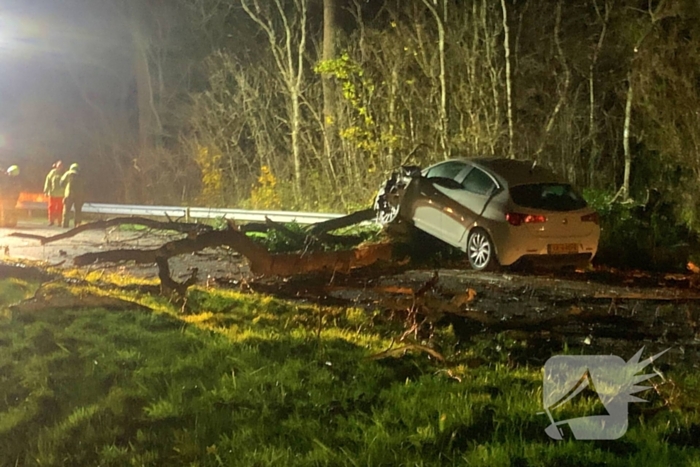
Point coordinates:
[(308, 103)]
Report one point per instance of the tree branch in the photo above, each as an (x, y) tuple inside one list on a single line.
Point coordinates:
[(187, 228)]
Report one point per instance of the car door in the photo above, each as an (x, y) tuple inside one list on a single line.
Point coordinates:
[(453, 221), (433, 197), (470, 202)]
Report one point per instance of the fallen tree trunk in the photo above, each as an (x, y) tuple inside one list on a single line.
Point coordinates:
[(202, 236), (231, 238), (261, 261)]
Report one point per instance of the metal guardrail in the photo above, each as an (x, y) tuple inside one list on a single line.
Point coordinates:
[(176, 212)]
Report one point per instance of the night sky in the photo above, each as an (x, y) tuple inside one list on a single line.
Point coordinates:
[(64, 66)]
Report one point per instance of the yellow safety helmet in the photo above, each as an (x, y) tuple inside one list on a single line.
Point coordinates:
[(13, 171), (74, 166)]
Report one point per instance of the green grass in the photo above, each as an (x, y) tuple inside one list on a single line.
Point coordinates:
[(13, 291), (251, 381)]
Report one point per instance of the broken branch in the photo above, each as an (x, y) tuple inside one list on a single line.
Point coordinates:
[(261, 261), (340, 222), (181, 227)]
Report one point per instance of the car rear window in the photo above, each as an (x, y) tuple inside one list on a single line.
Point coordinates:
[(549, 196)]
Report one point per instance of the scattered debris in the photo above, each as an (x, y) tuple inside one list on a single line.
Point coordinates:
[(410, 345)]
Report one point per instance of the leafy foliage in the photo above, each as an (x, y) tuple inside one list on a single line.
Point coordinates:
[(212, 182), (357, 90), (264, 195), (295, 238), (647, 236), (280, 241)]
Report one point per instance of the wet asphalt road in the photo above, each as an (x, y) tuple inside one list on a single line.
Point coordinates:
[(64, 250), (61, 252)]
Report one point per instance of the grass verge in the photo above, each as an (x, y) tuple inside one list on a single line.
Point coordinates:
[(252, 381)]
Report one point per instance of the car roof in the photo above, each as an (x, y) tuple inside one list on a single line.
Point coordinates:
[(516, 172)]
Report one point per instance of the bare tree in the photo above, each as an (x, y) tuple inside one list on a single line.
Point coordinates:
[(655, 15), (563, 88), (476, 91), (286, 33)]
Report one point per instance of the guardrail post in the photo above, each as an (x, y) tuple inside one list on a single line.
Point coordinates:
[(187, 215)]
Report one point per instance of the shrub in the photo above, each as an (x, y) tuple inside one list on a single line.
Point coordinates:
[(642, 235), (265, 195)]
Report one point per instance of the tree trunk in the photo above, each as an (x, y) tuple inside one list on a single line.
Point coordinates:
[(592, 124), (509, 103), (565, 88), (592, 128), (393, 95), (443, 123), (144, 93), (655, 15), (626, 138), (330, 51), (296, 150)]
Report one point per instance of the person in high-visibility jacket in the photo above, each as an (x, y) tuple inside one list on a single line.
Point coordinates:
[(54, 192), (10, 188), (74, 195)]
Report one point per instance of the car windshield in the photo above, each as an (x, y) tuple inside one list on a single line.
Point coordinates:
[(548, 196)]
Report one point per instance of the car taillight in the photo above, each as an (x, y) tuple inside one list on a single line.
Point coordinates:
[(516, 218), (592, 217)]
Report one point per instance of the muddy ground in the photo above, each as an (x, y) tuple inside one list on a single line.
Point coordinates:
[(601, 311)]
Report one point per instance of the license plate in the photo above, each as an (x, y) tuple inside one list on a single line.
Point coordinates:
[(562, 248)]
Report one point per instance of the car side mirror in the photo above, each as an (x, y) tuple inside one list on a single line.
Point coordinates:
[(411, 171)]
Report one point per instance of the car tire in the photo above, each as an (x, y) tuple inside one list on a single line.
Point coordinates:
[(481, 251)]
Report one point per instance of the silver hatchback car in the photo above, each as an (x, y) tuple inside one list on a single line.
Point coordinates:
[(498, 211)]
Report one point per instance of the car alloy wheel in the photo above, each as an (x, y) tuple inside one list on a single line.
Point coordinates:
[(480, 251), (387, 203), (387, 214)]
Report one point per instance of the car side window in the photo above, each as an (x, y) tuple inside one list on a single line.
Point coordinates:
[(477, 181), (446, 170)]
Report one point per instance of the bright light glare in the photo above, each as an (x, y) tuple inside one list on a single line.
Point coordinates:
[(8, 30), (16, 32)]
